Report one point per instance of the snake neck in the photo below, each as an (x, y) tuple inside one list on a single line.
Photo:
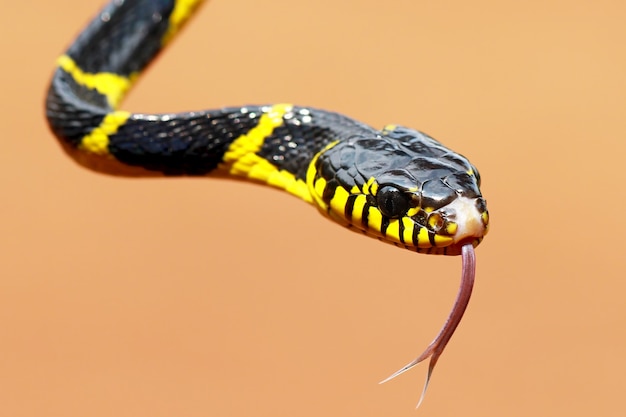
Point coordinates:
[(272, 144)]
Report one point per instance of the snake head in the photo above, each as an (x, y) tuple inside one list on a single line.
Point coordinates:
[(402, 187)]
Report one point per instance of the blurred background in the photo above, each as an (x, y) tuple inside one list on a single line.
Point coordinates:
[(196, 297)]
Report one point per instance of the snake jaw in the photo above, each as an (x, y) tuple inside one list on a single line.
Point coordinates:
[(471, 218), (464, 220)]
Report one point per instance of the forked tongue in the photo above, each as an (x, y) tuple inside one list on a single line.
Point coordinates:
[(436, 347)]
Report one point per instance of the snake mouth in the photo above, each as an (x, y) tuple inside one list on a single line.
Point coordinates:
[(471, 216), (463, 221), (442, 231)]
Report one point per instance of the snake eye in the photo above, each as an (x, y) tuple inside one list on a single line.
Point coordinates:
[(392, 202)]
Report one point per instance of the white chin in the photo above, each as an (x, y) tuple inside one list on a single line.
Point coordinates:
[(468, 219)]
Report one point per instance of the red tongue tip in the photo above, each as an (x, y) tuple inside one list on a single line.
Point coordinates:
[(437, 346)]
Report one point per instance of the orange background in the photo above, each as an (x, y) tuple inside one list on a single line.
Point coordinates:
[(196, 297)]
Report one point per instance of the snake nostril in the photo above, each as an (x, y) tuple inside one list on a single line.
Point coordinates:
[(481, 205)]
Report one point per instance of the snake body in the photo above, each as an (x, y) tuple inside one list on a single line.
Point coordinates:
[(396, 184)]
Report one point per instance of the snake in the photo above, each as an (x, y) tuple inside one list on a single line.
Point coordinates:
[(396, 184)]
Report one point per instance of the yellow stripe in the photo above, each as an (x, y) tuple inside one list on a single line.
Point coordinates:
[(451, 228), (389, 128), (182, 10), (312, 180), (285, 180), (393, 230), (241, 158), (412, 211), (443, 240), (485, 217), (339, 200), (374, 219), (409, 225), (319, 187), (97, 141), (422, 238), (370, 186), (113, 86), (373, 186), (357, 210), (366, 188), (299, 189)]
